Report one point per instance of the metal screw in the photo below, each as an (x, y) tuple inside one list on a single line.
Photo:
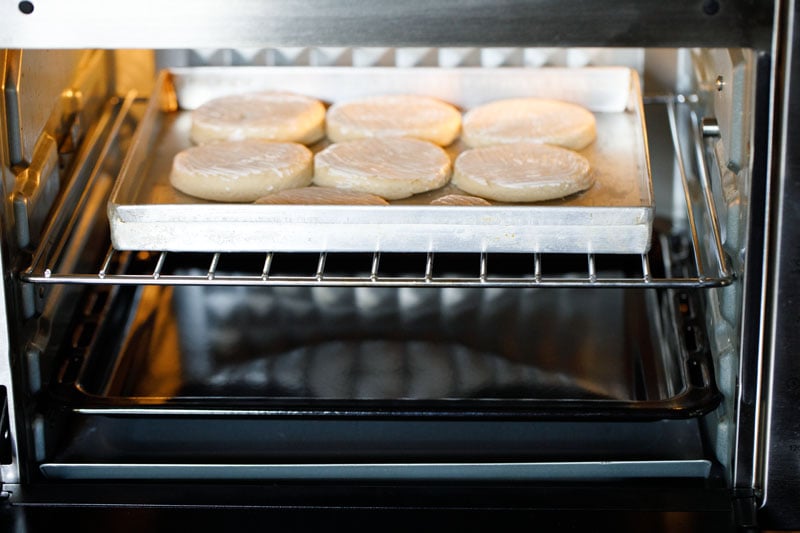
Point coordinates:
[(710, 127), (720, 83)]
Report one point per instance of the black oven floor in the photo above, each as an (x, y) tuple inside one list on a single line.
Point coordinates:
[(376, 344)]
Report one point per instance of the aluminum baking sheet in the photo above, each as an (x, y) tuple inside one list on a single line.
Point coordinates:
[(614, 216)]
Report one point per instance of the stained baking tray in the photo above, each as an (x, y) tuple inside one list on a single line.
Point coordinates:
[(614, 216)]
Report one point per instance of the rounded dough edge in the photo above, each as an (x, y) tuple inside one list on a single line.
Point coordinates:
[(343, 175), (484, 187), (247, 185), (340, 127), (581, 134), (306, 126)]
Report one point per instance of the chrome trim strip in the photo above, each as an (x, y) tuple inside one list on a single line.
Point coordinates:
[(583, 471)]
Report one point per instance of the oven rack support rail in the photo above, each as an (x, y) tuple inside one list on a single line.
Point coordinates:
[(53, 262)]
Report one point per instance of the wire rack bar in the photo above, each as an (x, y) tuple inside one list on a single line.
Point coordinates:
[(426, 277), (705, 182), (671, 113)]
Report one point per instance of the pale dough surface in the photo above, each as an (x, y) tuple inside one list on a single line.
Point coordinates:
[(392, 168), (321, 196), (272, 116), (459, 199), (420, 117), (241, 171), (522, 172), (529, 120)]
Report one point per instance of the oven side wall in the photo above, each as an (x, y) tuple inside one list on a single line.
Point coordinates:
[(50, 100), (779, 423)]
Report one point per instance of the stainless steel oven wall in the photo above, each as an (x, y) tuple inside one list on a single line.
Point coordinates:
[(9, 470), (778, 436), (723, 82), (51, 99), (30, 112)]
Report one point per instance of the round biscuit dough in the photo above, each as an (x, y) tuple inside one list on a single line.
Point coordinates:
[(241, 171), (522, 172), (391, 168), (321, 196), (272, 116), (420, 117), (534, 120)]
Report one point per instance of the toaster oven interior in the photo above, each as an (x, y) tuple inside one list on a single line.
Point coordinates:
[(147, 364)]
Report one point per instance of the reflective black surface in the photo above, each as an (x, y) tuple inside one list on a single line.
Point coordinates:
[(381, 343), (656, 506)]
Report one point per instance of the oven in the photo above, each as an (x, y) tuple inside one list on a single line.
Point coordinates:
[(167, 362)]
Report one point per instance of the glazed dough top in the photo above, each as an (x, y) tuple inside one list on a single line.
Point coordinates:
[(522, 172), (393, 168), (529, 120), (414, 116), (232, 160), (274, 116), (401, 160)]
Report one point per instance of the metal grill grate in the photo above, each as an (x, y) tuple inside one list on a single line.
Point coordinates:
[(701, 254)]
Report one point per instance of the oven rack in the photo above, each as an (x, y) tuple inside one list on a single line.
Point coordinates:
[(701, 264)]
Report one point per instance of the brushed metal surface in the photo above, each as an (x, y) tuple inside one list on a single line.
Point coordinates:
[(213, 23), (51, 97), (583, 471), (780, 422), (614, 216), (38, 89)]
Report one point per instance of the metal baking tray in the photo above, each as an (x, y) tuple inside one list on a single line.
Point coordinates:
[(614, 216)]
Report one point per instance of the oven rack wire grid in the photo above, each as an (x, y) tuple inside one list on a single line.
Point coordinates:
[(700, 262)]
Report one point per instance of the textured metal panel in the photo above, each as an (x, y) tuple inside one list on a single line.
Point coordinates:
[(50, 99), (375, 56), (37, 89), (253, 23), (11, 113)]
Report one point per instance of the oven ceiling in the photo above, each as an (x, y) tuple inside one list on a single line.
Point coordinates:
[(243, 23)]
